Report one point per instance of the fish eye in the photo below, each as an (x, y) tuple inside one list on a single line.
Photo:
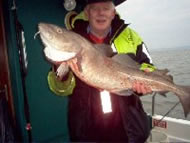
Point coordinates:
[(59, 30)]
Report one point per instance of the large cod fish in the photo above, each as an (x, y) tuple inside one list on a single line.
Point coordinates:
[(99, 70)]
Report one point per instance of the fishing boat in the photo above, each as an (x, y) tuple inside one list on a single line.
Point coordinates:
[(29, 111), (167, 129)]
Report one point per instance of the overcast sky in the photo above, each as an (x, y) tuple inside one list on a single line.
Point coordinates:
[(160, 23)]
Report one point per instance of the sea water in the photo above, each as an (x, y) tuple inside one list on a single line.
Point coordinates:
[(177, 60)]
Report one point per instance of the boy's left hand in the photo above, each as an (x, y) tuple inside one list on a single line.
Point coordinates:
[(142, 88)]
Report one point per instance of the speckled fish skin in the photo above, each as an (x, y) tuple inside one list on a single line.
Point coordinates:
[(103, 72)]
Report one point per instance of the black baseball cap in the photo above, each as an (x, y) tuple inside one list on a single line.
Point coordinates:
[(95, 1), (116, 2)]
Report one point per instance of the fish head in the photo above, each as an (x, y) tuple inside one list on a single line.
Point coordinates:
[(59, 43)]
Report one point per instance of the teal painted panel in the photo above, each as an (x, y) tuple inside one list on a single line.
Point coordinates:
[(48, 112)]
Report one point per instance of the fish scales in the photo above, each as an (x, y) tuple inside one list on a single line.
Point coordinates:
[(99, 70)]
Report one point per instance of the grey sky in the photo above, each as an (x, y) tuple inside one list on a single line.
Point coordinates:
[(160, 23)]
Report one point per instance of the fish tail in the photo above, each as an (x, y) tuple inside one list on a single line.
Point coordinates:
[(184, 96)]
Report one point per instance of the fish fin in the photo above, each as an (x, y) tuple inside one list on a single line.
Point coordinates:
[(169, 77), (164, 74), (126, 92), (62, 70), (163, 71), (185, 99), (163, 93), (104, 49), (126, 60)]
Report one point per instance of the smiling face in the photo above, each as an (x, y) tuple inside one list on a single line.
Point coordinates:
[(100, 15)]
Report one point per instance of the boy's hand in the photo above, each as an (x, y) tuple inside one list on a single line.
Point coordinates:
[(142, 88)]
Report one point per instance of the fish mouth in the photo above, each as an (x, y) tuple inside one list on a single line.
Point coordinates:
[(54, 54), (52, 51)]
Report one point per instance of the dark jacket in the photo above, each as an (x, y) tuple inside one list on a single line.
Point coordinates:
[(127, 122)]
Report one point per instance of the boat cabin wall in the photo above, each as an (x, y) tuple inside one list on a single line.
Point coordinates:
[(48, 112)]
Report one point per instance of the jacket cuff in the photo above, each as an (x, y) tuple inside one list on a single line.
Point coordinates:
[(61, 88), (145, 66)]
